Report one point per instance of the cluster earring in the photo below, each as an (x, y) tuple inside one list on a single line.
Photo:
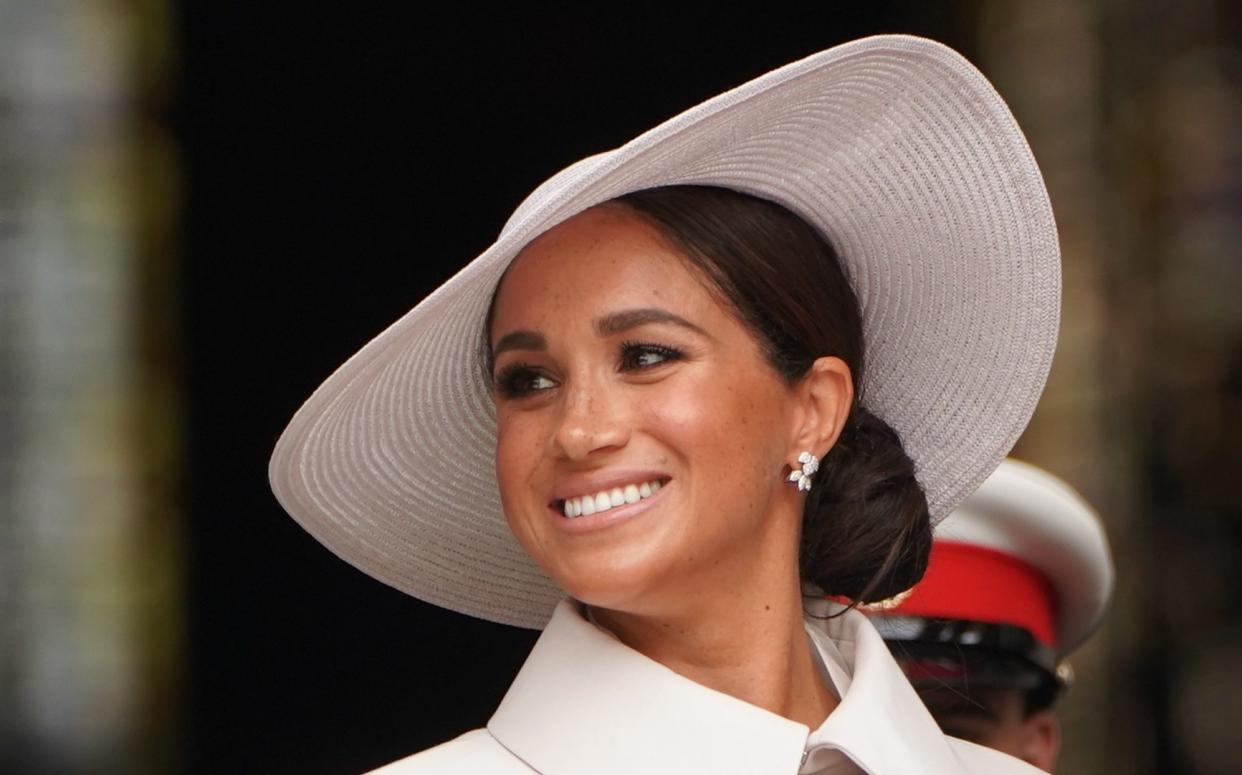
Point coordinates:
[(810, 464)]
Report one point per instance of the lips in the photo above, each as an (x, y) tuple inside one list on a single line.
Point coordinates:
[(609, 498)]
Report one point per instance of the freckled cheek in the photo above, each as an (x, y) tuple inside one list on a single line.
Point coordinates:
[(727, 436), (676, 417), (699, 424), (519, 449)]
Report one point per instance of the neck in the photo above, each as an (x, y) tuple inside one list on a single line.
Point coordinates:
[(771, 666)]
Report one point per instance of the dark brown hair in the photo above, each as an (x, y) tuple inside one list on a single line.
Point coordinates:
[(866, 531)]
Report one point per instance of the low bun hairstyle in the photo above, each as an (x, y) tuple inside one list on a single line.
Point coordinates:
[(866, 531)]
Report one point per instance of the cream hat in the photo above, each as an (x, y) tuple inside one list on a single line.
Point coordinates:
[(894, 147)]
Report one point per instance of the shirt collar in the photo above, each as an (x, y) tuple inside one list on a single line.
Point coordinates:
[(585, 702)]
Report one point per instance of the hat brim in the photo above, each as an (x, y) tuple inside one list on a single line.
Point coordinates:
[(894, 147)]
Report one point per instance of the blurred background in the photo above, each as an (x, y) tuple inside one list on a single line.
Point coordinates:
[(206, 207)]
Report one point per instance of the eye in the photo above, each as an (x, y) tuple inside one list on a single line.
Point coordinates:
[(637, 356), (521, 379)]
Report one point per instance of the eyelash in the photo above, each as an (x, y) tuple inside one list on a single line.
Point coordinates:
[(509, 380), (666, 353), (514, 380)]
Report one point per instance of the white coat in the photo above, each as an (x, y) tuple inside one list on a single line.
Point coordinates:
[(586, 704)]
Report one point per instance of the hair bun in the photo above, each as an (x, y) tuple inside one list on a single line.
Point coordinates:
[(866, 530)]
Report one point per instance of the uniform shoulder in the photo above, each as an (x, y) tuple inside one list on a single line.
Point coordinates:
[(474, 752), (980, 759)]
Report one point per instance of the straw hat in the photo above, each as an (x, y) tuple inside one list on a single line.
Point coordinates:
[(894, 147)]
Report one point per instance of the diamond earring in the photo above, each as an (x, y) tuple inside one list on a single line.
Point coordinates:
[(810, 464)]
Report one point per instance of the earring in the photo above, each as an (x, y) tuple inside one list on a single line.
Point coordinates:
[(810, 464)]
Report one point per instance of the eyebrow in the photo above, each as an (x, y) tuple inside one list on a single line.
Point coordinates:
[(609, 325), (617, 322), (520, 340)]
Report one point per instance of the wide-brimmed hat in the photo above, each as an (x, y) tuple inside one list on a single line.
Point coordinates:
[(896, 148)]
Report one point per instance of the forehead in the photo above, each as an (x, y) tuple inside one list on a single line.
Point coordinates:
[(602, 259)]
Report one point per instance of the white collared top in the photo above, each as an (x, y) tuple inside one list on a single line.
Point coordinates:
[(586, 704)]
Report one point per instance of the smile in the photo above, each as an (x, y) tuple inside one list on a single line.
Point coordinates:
[(604, 500)]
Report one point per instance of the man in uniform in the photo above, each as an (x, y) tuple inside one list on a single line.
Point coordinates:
[(1019, 577)]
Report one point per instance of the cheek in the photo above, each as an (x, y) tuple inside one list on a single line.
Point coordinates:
[(730, 437), (519, 448)]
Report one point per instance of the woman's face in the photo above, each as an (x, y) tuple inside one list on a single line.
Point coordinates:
[(643, 437)]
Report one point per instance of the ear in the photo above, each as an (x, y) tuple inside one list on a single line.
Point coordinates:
[(1041, 740), (824, 398)]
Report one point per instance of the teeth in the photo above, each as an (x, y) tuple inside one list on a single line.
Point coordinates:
[(586, 505)]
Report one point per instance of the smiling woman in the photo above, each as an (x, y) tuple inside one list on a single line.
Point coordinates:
[(595, 411), (673, 338), (604, 406)]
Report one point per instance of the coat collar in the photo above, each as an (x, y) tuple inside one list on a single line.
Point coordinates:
[(585, 702), (881, 723)]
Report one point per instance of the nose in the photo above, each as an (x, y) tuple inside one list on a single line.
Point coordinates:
[(592, 421)]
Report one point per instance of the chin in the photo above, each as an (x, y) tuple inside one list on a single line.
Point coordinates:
[(619, 583)]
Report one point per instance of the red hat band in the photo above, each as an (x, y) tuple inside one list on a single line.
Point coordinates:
[(975, 583)]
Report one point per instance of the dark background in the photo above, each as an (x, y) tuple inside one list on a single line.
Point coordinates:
[(339, 162)]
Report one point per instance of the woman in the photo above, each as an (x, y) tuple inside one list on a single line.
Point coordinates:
[(674, 335)]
